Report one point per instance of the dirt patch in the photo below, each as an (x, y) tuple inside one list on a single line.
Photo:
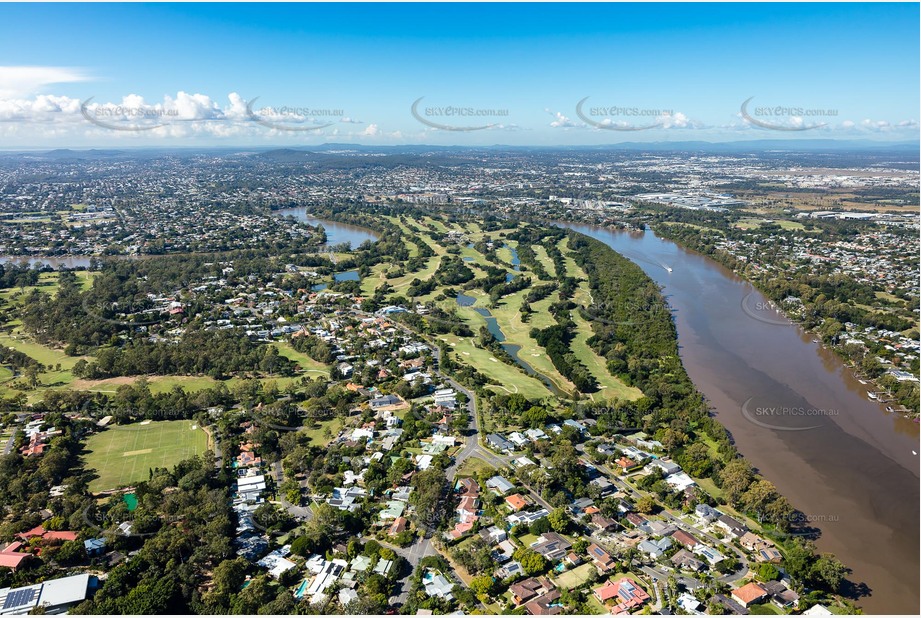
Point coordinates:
[(143, 451)]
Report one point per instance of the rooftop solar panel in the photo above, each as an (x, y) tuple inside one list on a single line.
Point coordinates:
[(15, 598)]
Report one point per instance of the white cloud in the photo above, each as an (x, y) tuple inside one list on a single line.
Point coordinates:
[(22, 81), (560, 121), (676, 120)]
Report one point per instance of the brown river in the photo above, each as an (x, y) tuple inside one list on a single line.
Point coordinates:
[(799, 416)]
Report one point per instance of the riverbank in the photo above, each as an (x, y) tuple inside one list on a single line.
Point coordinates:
[(843, 461), (876, 391)]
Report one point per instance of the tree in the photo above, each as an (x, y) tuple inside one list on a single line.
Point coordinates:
[(646, 504), (735, 479), (531, 561), (798, 560), (229, 576), (540, 526), (428, 487), (829, 572), (767, 572), (482, 584), (559, 521), (757, 498)]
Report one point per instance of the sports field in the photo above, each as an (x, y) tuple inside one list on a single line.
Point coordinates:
[(124, 454)]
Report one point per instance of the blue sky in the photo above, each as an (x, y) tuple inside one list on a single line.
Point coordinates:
[(351, 73)]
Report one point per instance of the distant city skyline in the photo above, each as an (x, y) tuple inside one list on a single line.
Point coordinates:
[(470, 75)]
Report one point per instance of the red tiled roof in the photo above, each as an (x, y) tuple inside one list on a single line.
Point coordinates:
[(748, 593)]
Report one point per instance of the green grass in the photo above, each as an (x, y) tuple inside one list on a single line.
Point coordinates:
[(44, 354), (710, 487), (510, 379), (400, 284), (504, 253), (124, 454), (764, 609), (610, 386), (307, 364), (526, 540), (596, 605), (544, 259), (316, 434), (517, 332), (473, 466), (156, 384), (575, 577)]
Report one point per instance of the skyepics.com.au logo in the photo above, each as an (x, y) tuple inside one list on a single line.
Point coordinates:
[(804, 525), (296, 118), (448, 117), (784, 418), (758, 308), (784, 117), (135, 118), (621, 117)]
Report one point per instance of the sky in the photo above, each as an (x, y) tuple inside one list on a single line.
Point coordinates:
[(137, 75)]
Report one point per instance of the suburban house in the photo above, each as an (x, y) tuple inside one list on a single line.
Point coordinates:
[(531, 588), (685, 560), (684, 538), (601, 559), (545, 605), (749, 594), (625, 592), (655, 549), (53, 596), (497, 442), (516, 502), (731, 525), (551, 546), (500, 485)]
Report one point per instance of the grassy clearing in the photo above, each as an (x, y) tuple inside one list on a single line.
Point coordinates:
[(517, 332), (765, 609), (157, 384), (596, 605), (510, 379), (504, 253), (611, 387), (123, 455), (318, 434), (48, 283), (46, 355), (399, 284), (544, 259), (307, 364), (373, 281), (473, 466)]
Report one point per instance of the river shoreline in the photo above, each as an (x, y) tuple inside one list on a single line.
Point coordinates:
[(851, 471), (866, 380)]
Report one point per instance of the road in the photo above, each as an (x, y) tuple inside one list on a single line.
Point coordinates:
[(11, 441), (302, 513)]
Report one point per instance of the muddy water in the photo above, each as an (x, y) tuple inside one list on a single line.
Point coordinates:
[(798, 415)]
